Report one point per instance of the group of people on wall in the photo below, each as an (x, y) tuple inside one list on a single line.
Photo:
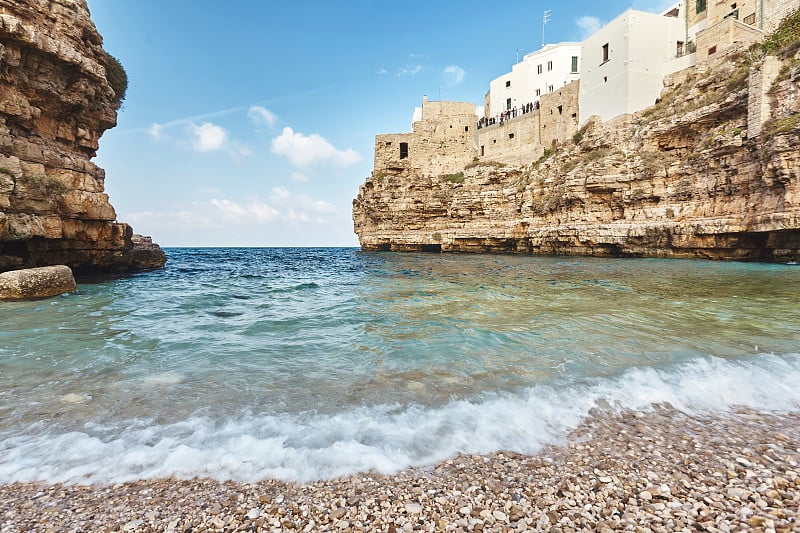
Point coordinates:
[(514, 112)]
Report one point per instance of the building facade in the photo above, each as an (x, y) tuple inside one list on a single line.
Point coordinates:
[(625, 62), (539, 73)]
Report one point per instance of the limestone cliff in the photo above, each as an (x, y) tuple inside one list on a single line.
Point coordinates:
[(55, 103), (682, 179)]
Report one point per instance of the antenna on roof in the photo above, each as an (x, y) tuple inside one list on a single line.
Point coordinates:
[(545, 20)]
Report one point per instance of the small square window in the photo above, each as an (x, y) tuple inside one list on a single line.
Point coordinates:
[(510, 135), (508, 83), (701, 6), (712, 50)]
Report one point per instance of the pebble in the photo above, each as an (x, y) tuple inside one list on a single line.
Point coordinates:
[(732, 472), (413, 508)]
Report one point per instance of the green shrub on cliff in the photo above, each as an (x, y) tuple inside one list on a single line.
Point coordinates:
[(454, 178), (117, 77), (785, 41)]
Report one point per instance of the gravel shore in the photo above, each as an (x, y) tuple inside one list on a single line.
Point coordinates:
[(658, 471)]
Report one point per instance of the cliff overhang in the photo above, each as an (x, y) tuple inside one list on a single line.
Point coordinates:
[(55, 103)]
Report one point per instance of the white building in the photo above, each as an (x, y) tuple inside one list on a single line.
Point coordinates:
[(625, 62), (540, 72)]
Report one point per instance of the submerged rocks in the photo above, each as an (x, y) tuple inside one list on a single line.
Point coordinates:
[(40, 282)]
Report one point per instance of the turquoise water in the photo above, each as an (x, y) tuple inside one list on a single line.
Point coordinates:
[(311, 363)]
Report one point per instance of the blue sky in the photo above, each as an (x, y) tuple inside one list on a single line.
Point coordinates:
[(252, 123)]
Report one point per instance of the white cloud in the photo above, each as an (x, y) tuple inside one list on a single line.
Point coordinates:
[(588, 25), (279, 194), (299, 176), (408, 70), (317, 206), (261, 115), (254, 211), (156, 131), (208, 137), (308, 150), (381, 71), (453, 74)]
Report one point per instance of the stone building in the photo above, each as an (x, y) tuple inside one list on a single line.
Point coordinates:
[(717, 25), (442, 141)]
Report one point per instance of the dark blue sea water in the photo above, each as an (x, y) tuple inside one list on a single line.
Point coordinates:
[(301, 364)]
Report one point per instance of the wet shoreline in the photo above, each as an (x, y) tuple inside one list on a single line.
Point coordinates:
[(661, 470)]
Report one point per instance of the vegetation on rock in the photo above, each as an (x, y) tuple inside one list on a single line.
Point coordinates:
[(117, 77)]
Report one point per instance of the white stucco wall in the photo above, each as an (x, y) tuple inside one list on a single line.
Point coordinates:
[(641, 50), (526, 80)]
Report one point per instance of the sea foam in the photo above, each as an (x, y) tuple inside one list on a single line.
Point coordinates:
[(388, 438)]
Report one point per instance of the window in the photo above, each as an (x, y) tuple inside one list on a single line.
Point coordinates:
[(701, 6), (538, 69), (574, 69), (483, 150), (549, 88), (712, 50), (750, 19), (538, 92), (679, 49), (510, 135), (508, 83), (560, 110), (508, 104), (605, 52), (549, 65), (466, 128), (403, 150)]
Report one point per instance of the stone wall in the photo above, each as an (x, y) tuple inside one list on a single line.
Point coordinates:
[(514, 142), (55, 103), (559, 114), (724, 35), (759, 108), (777, 10)]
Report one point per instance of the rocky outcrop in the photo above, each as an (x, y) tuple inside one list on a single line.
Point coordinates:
[(55, 103), (681, 179), (41, 282)]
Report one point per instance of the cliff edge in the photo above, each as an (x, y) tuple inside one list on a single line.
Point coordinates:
[(55, 103), (711, 171)]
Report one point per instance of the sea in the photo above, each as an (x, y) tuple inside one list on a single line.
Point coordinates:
[(302, 364)]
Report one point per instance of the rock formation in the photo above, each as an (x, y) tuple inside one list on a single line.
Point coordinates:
[(55, 103), (684, 178), (41, 282)]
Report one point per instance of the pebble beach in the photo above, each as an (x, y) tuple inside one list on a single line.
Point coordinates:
[(661, 470)]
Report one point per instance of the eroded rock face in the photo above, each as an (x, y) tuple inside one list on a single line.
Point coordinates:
[(55, 103), (679, 180)]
